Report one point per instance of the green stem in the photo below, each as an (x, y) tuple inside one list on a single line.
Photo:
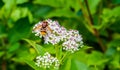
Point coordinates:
[(96, 32), (3, 42), (100, 11), (88, 17), (57, 51), (89, 13), (4, 65), (66, 53), (95, 67)]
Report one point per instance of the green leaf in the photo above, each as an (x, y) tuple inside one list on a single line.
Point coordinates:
[(1, 3), (7, 8), (74, 4), (41, 11), (115, 11), (81, 54), (109, 17), (60, 3), (64, 12), (115, 1), (86, 47), (3, 35), (93, 5), (116, 36), (15, 1), (115, 63), (95, 58), (52, 3), (21, 1), (27, 58), (109, 13), (31, 64), (30, 17), (2, 53), (20, 13), (66, 65), (50, 48), (110, 51), (13, 47), (38, 48), (9, 3), (115, 27), (114, 43), (77, 65), (24, 53), (16, 14), (20, 30)]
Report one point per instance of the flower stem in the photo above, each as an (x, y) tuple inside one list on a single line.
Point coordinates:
[(66, 53), (88, 16), (4, 65), (57, 51)]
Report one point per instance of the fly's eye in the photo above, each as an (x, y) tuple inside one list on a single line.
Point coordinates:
[(45, 21), (44, 24)]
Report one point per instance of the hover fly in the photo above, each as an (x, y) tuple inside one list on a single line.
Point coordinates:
[(43, 28)]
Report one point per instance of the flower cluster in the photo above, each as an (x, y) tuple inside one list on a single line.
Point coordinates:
[(58, 33), (71, 39), (47, 61)]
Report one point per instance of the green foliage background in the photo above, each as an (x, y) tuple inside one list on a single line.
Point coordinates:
[(98, 21)]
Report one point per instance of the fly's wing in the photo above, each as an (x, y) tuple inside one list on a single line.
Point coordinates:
[(37, 28), (48, 30)]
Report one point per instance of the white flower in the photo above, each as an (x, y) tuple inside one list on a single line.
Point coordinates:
[(71, 39), (47, 61)]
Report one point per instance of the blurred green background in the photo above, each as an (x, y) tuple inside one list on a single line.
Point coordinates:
[(98, 21)]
